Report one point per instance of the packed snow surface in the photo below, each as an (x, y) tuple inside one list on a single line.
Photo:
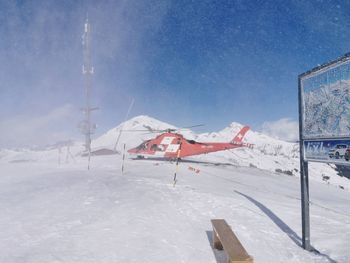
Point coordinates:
[(65, 213), (55, 210)]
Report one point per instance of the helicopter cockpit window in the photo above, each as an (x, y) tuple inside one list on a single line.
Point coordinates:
[(142, 146), (157, 147), (191, 141)]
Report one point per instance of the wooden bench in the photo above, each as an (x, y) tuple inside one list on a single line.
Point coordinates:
[(224, 238)]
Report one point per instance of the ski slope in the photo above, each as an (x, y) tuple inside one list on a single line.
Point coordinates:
[(65, 213)]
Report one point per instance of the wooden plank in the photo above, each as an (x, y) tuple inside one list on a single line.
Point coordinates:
[(223, 237), (216, 241)]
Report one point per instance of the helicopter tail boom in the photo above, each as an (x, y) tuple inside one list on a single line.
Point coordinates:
[(240, 135)]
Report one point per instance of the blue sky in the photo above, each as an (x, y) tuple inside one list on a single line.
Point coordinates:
[(184, 62)]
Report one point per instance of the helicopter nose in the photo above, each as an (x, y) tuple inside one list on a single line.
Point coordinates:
[(132, 150)]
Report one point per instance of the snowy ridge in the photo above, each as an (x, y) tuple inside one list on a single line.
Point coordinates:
[(268, 153), (141, 125)]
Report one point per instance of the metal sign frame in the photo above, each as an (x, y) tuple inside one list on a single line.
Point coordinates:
[(303, 140)]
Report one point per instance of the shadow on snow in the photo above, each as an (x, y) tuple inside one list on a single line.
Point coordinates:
[(182, 161), (283, 226)]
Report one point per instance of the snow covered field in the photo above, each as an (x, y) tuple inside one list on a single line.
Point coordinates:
[(64, 213)]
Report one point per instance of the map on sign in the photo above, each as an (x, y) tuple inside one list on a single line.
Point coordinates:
[(326, 102)]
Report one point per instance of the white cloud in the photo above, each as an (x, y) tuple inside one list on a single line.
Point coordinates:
[(27, 130), (283, 129)]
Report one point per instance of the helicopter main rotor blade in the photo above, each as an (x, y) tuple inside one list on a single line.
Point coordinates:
[(193, 126), (165, 130), (151, 132), (134, 130)]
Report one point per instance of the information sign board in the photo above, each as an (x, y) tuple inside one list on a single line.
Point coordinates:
[(325, 112)]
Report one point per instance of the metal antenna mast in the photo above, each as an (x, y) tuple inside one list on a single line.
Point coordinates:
[(86, 126)]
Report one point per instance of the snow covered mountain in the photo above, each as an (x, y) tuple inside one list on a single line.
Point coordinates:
[(268, 153)]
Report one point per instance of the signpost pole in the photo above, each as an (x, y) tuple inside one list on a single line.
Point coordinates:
[(305, 215), (304, 180)]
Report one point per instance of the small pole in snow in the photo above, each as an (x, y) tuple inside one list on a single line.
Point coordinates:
[(71, 155), (177, 165), (123, 159), (89, 159), (67, 154), (59, 155)]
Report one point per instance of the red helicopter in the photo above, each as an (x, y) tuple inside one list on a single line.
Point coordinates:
[(171, 145)]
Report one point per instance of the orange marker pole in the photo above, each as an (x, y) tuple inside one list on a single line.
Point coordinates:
[(177, 165), (123, 159)]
